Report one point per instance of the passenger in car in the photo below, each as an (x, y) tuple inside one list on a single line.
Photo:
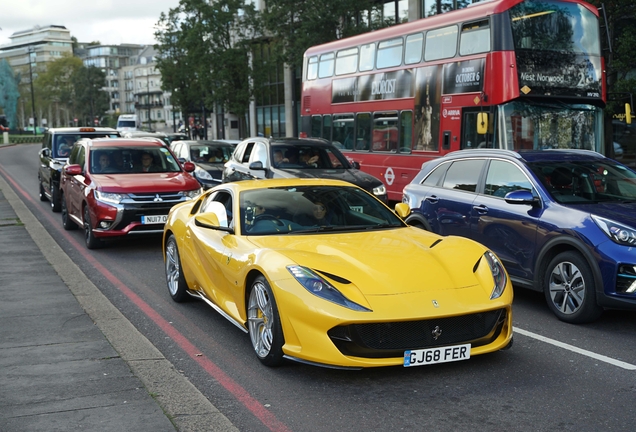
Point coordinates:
[(147, 163)]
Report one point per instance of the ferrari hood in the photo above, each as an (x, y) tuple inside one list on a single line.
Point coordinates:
[(384, 262)]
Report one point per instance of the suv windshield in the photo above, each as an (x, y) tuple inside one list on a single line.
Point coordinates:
[(122, 160), (64, 141), (583, 182), (307, 156)]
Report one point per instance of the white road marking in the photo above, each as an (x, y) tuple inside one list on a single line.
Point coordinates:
[(620, 364)]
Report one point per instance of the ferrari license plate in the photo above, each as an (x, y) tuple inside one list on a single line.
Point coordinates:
[(436, 355), (154, 219)]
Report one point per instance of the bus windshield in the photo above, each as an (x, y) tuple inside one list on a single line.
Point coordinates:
[(555, 26), (522, 125)]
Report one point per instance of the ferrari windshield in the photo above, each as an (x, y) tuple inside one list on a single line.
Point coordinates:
[(311, 209)]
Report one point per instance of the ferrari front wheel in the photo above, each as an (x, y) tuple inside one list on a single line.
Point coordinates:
[(174, 276), (264, 323)]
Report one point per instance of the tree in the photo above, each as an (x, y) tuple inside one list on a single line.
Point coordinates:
[(618, 32), (295, 25), (55, 85), (90, 99), (204, 54)]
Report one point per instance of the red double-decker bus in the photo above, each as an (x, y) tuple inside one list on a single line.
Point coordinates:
[(509, 74)]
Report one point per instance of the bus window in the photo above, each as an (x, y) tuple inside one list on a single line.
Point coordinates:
[(413, 50), (312, 68), (343, 131), (406, 131), (385, 131), (390, 53), (326, 127), (346, 61), (316, 126), (363, 131), (475, 38), (367, 57), (325, 67), (441, 43)]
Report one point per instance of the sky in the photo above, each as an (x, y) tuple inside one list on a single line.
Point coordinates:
[(111, 22)]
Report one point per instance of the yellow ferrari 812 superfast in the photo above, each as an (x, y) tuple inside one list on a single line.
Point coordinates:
[(321, 272)]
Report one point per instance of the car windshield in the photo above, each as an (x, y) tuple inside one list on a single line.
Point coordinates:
[(64, 142), (586, 181), (138, 159), (307, 157), (312, 209), (210, 153)]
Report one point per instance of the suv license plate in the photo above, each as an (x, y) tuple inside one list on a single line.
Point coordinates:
[(436, 355), (145, 220)]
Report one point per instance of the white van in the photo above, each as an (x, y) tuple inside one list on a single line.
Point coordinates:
[(127, 123)]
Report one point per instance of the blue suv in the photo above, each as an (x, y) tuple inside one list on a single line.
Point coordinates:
[(563, 222)]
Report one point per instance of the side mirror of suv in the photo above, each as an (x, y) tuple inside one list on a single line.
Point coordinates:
[(45, 152), (72, 170), (521, 197)]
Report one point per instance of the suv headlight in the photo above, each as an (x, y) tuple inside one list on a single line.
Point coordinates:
[(380, 190), (110, 198), (192, 194), (202, 174), (318, 286), (498, 274), (619, 233)]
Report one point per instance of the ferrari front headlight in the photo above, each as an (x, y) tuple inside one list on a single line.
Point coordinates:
[(319, 287), (498, 274)]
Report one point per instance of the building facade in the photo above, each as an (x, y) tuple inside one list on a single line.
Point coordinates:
[(28, 53)]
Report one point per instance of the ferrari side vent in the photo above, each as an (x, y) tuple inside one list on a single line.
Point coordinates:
[(435, 243)]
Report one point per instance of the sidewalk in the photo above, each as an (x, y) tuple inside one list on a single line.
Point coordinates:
[(68, 359)]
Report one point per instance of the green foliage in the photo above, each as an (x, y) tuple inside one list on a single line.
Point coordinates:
[(90, 99), (204, 54), (619, 33), (296, 25)]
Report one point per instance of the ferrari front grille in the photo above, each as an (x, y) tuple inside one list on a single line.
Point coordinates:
[(391, 339)]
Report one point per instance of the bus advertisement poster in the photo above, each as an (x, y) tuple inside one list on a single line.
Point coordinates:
[(464, 76), (381, 86)]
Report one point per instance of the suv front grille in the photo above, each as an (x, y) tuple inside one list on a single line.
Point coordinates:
[(169, 197), (383, 340)]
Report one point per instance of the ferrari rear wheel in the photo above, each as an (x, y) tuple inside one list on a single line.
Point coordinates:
[(264, 324), (176, 282)]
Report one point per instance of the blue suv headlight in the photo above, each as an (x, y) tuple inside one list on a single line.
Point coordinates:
[(619, 233), (318, 286)]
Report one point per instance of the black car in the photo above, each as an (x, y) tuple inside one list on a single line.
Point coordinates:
[(208, 157), (56, 148), (297, 157)]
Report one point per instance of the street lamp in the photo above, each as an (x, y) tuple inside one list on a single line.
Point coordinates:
[(148, 89), (35, 120)]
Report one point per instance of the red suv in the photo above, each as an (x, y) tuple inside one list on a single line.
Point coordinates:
[(117, 187)]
